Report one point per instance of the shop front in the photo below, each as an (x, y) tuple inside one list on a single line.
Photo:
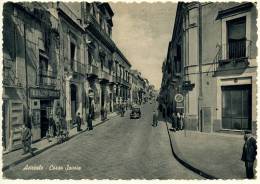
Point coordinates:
[(42, 107)]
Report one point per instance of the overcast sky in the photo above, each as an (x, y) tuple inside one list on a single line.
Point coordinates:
[(142, 32)]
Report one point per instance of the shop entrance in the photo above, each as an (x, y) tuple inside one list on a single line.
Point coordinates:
[(73, 97), (45, 115), (236, 107)]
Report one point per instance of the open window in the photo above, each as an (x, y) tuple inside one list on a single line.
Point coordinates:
[(236, 38)]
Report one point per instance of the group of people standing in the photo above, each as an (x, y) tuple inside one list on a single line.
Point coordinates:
[(177, 120)]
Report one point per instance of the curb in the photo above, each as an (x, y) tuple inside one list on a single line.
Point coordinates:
[(50, 146), (187, 165)]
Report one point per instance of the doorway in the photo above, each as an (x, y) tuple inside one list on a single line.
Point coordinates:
[(73, 98), (236, 107), (45, 108)]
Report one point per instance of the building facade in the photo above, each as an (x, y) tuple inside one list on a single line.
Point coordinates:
[(59, 55), (31, 79), (211, 61)]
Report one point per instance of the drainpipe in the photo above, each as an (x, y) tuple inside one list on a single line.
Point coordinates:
[(200, 97), (26, 76)]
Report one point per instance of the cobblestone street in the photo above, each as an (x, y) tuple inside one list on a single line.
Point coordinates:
[(118, 149)]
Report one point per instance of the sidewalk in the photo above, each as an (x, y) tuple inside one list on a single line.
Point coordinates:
[(216, 154), (15, 157)]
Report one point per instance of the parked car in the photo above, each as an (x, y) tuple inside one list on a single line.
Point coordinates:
[(135, 112)]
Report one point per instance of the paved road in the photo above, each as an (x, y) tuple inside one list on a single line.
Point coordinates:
[(118, 149)]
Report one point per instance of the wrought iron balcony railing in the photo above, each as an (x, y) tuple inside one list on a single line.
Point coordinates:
[(104, 75), (235, 50), (47, 78), (93, 70), (78, 67), (95, 27)]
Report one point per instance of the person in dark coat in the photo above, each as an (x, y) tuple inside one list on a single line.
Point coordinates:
[(155, 118), (26, 140), (89, 121), (78, 122), (249, 154), (174, 121), (178, 121)]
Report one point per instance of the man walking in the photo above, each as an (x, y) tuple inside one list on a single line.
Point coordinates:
[(155, 118), (174, 121), (249, 154), (78, 122), (26, 139)]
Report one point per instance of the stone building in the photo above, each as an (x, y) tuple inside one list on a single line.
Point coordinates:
[(59, 54), (31, 79), (138, 87), (211, 61)]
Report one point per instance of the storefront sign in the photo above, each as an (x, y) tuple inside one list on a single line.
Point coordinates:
[(44, 93)]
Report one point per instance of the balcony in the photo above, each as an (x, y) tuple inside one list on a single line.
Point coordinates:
[(232, 57), (112, 79), (235, 51), (78, 67), (125, 83), (105, 76), (118, 80), (47, 78), (9, 78), (95, 28), (93, 71), (9, 75)]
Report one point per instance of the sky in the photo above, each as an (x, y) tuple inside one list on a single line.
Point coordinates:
[(142, 32)]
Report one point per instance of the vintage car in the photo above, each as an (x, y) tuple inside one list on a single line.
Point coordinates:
[(135, 112)]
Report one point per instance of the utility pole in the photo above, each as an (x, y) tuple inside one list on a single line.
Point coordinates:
[(200, 70)]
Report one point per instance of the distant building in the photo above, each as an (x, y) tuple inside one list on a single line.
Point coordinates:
[(211, 60)]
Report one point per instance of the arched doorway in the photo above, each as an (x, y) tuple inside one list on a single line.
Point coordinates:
[(73, 98)]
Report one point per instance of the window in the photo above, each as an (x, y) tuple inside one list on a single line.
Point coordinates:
[(90, 58), (109, 30), (178, 60), (72, 53), (43, 69), (236, 32)]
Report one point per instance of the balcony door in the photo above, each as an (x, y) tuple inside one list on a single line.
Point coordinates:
[(236, 30), (236, 107)]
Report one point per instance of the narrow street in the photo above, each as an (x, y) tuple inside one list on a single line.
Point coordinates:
[(118, 149)]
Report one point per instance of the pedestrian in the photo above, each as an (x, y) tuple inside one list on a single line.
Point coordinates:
[(64, 129), (51, 127), (26, 139), (78, 122), (122, 110), (182, 121), (89, 121), (155, 118), (58, 127), (249, 154), (178, 121), (174, 121)]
